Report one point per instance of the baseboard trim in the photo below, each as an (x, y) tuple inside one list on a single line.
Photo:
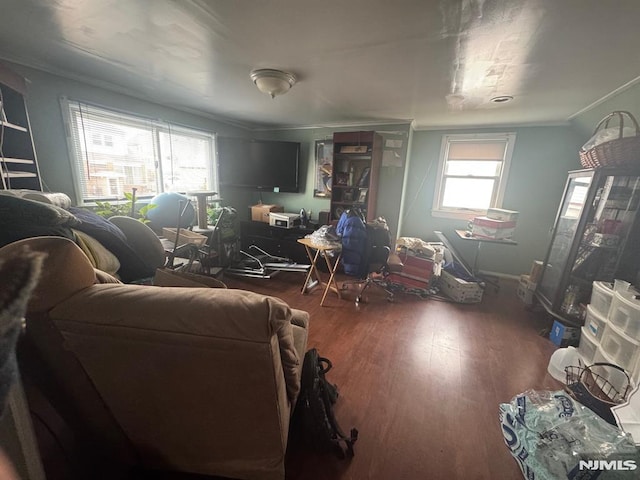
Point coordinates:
[(506, 276)]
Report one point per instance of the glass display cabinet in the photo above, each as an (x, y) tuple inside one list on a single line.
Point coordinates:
[(596, 236)]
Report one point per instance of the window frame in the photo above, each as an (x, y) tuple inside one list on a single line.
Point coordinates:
[(498, 194), (157, 126)]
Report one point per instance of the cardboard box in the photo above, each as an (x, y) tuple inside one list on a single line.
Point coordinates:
[(417, 267), (459, 290), (492, 223), (485, 227), (260, 212), (526, 290), (563, 335), (501, 214), (536, 271), (186, 236)]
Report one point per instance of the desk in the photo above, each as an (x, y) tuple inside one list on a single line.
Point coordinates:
[(463, 234), (332, 266)]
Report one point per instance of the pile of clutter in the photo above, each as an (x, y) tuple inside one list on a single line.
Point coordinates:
[(420, 262), (429, 269), (610, 346)]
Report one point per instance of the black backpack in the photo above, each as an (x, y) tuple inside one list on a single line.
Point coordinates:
[(314, 422)]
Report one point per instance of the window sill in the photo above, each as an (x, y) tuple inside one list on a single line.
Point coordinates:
[(121, 201)]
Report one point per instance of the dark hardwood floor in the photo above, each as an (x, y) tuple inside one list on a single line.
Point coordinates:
[(421, 379)]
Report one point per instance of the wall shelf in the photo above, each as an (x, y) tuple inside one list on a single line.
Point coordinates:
[(18, 162), (13, 126), (18, 175)]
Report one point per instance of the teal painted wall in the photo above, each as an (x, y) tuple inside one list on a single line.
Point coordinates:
[(542, 157), (43, 102)]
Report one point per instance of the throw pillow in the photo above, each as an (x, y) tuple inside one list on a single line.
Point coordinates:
[(23, 211), (21, 218), (132, 266)]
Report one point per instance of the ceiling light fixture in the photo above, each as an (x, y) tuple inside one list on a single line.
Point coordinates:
[(502, 99), (273, 82)]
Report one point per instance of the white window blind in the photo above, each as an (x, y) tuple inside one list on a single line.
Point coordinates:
[(113, 153), (472, 173)]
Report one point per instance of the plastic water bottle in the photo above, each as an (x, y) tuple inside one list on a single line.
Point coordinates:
[(303, 217)]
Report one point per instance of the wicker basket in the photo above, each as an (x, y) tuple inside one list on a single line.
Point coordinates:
[(614, 153)]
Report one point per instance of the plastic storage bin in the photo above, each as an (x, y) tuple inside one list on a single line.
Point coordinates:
[(621, 349), (616, 378), (595, 322), (588, 347), (635, 373), (625, 313), (601, 357), (601, 296)]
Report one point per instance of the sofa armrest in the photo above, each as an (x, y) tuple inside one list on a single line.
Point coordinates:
[(300, 318)]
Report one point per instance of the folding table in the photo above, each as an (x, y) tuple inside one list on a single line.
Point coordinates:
[(322, 249)]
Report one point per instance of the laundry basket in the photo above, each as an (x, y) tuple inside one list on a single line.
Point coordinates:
[(617, 152), (593, 388)]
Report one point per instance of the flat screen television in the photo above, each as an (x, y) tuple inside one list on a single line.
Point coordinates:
[(258, 164)]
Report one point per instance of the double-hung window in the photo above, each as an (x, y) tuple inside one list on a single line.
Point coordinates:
[(112, 153), (472, 173)]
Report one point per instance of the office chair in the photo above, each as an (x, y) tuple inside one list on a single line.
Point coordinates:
[(374, 267)]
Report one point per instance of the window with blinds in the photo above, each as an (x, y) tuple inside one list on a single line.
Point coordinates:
[(472, 173), (113, 153)]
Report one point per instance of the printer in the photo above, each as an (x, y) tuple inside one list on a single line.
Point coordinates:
[(284, 220)]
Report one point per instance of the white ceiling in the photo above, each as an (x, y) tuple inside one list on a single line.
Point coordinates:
[(435, 62)]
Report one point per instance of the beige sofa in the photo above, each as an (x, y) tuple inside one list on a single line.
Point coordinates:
[(199, 380)]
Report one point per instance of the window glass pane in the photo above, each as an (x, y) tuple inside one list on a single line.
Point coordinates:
[(114, 152), (108, 151), (473, 168), (470, 193), (480, 150), (185, 161)]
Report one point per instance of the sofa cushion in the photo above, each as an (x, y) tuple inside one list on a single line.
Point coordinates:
[(59, 199), (94, 224), (29, 211), (104, 277), (132, 266), (21, 218)]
